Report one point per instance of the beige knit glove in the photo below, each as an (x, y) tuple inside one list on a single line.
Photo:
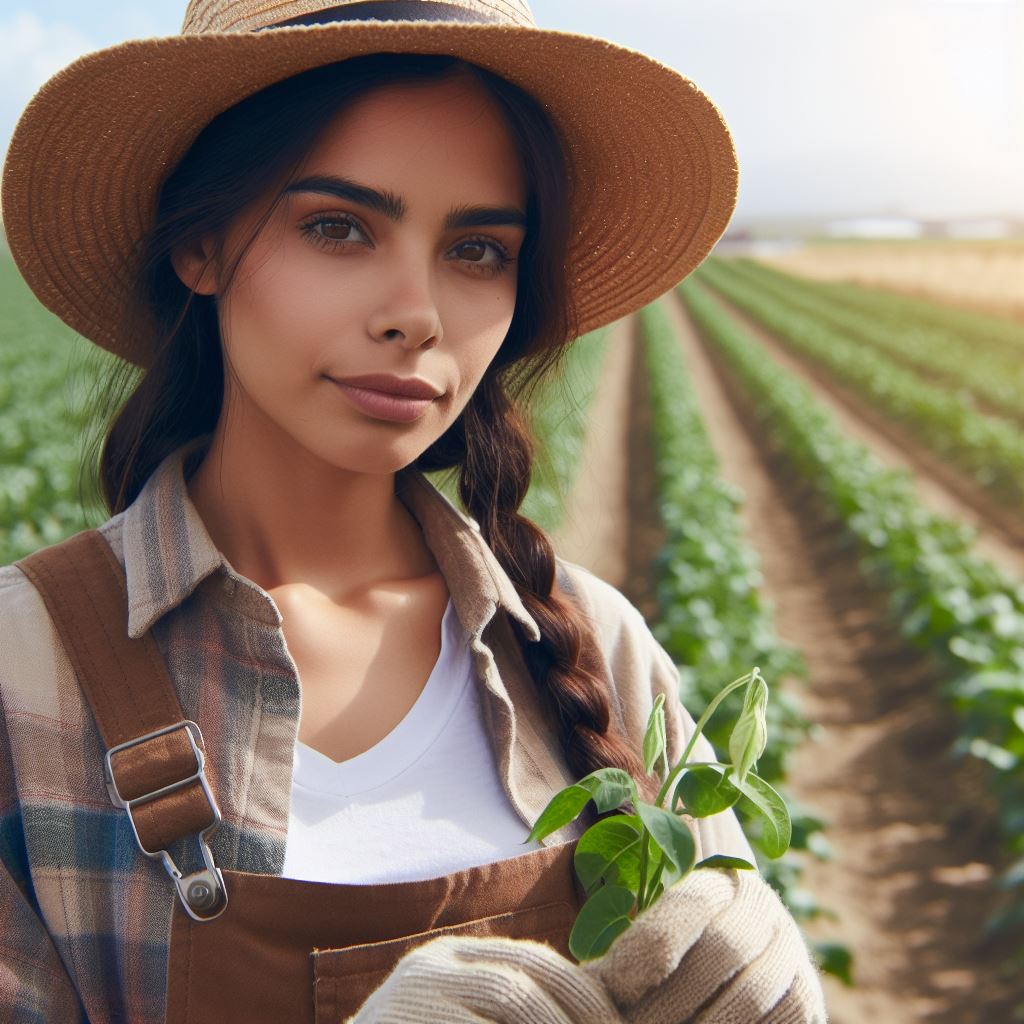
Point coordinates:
[(719, 947), (476, 980)]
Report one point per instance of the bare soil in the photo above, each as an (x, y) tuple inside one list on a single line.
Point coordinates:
[(912, 829), (941, 488), (594, 530)]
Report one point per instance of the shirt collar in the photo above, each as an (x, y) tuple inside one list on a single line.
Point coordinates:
[(168, 551)]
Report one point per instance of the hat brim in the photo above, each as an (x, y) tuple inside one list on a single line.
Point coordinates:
[(653, 169)]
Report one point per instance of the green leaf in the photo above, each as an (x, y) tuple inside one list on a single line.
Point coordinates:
[(835, 959), (654, 735), (670, 875), (750, 733), (720, 860), (563, 807), (671, 834), (777, 831), (610, 851), (609, 788), (705, 791), (600, 921)]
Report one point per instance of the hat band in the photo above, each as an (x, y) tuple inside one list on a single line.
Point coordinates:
[(391, 10)]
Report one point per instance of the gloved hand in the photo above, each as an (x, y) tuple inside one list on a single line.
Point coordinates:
[(481, 980), (719, 944)]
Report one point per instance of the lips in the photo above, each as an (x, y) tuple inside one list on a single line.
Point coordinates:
[(388, 405), (403, 387)]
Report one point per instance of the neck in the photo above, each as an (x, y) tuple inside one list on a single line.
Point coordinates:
[(282, 515)]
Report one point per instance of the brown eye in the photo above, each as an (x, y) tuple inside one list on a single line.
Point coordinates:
[(473, 251), (482, 256), (336, 229)]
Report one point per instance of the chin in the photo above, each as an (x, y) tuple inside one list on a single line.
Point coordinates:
[(377, 458)]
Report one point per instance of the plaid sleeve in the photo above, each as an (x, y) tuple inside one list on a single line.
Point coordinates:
[(34, 985)]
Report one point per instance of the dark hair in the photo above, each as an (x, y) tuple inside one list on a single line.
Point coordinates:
[(260, 144)]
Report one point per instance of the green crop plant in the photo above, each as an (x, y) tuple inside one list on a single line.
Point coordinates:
[(626, 861), (942, 597), (712, 618), (988, 449), (47, 374), (980, 330), (990, 378)]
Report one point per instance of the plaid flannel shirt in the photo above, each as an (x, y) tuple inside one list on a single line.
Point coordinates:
[(86, 916)]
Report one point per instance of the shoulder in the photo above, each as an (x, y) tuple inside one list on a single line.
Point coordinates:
[(608, 608), (35, 674), (639, 667), (21, 602)]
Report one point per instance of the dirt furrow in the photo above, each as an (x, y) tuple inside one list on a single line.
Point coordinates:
[(941, 488), (914, 846), (594, 531)]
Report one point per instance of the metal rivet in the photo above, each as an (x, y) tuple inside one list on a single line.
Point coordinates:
[(200, 895)]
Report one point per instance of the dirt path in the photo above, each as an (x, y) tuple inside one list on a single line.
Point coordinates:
[(941, 489), (909, 878), (594, 531)]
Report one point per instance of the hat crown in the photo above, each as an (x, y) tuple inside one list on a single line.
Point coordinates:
[(204, 16)]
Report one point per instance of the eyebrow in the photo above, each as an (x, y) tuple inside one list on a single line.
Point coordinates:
[(393, 206)]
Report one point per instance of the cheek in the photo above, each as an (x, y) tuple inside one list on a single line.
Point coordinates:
[(277, 321), (473, 363), (482, 330)]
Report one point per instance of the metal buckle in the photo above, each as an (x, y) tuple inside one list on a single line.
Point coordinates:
[(200, 890)]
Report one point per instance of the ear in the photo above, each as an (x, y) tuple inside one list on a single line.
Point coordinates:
[(193, 263)]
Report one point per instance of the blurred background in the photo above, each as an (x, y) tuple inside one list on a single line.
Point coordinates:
[(808, 457)]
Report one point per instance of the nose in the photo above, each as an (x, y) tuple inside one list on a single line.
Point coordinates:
[(408, 312)]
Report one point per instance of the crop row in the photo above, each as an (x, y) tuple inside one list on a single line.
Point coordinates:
[(993, 379), (980, 330), (46, 375), (989, 449), (712, 618), (942, 596)]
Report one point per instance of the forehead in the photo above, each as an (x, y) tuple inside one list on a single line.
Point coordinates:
[(440, 139)]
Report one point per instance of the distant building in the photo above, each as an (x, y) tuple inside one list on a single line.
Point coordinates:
[(990, 227), (875, 227)]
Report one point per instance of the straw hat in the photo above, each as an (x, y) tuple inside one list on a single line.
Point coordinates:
[(653, 170)]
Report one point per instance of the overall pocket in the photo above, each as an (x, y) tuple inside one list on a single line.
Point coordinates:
[(344, 978)]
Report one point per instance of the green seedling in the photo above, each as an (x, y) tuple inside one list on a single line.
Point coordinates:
[(628, 859)]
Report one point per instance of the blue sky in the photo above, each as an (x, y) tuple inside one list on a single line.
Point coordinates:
[(878, 106)]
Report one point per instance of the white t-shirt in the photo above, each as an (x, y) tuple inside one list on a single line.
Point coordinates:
[(425, 801)]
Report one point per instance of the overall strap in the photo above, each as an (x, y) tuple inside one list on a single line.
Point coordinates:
[(155, 761)]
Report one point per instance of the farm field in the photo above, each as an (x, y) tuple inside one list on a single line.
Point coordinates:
[(760, 508), (918, 816), (986, 276)]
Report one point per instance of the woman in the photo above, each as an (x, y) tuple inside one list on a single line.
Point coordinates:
[(341, 241)]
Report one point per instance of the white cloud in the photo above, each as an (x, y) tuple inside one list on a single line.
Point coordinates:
[(31, 51)]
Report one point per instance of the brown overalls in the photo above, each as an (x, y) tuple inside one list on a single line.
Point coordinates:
[(254, 947)]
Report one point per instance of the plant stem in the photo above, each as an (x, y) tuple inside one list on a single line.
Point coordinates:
[(659, 867), (643, 872), (701, 722)]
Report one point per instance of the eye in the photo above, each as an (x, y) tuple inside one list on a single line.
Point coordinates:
[(334, 230), (484, 256)]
